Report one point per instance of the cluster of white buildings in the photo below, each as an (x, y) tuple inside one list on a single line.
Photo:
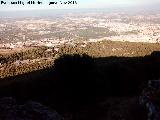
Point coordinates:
[(41, 31)]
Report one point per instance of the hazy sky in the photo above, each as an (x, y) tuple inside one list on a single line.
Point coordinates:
[(81, 4)]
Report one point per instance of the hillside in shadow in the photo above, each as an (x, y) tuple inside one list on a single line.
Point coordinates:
[(77, 84)]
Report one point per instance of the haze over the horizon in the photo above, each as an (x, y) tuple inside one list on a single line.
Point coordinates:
[(81, 4)]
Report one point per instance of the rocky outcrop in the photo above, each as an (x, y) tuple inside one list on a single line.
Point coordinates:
[(10, 110), (150, 99)]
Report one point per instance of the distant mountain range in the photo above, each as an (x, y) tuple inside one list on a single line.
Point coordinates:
[(146, 9)]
